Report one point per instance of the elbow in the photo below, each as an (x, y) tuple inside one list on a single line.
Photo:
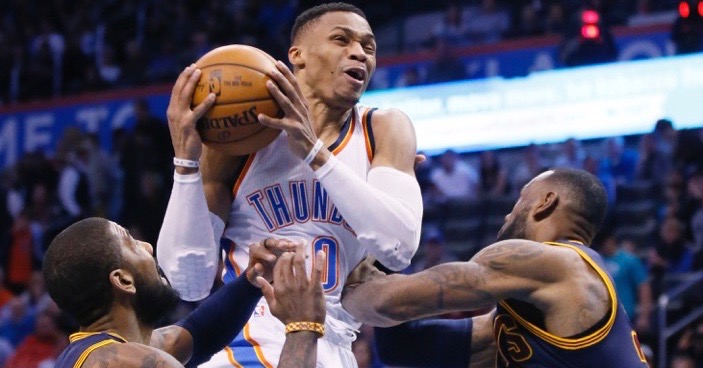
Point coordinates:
[(191, 274), (393, 252)]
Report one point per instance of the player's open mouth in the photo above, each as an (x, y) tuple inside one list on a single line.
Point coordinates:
[(358, 74)]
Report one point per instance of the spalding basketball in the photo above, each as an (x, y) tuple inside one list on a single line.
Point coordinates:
[(236, 74)]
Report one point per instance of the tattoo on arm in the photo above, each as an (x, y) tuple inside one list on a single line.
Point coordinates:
[(502, 255)]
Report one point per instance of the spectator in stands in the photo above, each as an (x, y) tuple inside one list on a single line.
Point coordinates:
[(652, 164), (618, 161), (446, 66), (571, 155), (591, 165), (16, 321), (35, 297), (665, 138), (40, 348), (74, 187), (528, 22), (455, 179), (5, 294), (671, 256), (631, 282), (555, 22), (532, 163), (146, 153), (487, 23), (688, 154), (691, 341), (278, 16), (410, 77), (671, 252), (492, 174), (695, 211), (452, 30), (682, 360), (433, 251)]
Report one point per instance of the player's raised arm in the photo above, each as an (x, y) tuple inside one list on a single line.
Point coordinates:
[(385, 208), (188, 244), (507, 269)]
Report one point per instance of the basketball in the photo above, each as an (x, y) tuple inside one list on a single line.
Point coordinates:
[(236, 74)]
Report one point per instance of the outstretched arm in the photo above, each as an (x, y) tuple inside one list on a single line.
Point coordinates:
[(507, 269), (202, 333), (461, 343), (391, 231)]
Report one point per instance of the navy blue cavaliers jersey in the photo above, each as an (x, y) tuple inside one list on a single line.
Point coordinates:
[(523, 342), (82, 344)]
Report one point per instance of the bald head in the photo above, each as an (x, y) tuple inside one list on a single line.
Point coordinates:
[(581, 193)]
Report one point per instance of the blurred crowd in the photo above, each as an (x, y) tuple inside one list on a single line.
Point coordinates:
[(652, 239), (52, 48)]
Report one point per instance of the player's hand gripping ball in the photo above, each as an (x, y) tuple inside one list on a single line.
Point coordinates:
[(236, 74)]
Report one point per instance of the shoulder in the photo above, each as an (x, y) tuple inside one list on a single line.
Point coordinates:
[(526, 258), (391, 117), (130, 355), (395, 139), (393, 127)]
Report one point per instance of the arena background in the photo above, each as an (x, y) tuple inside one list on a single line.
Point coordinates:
[(500, 89)]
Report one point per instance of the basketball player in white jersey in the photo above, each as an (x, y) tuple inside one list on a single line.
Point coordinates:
[(339, 177)]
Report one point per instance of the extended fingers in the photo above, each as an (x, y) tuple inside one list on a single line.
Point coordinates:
[(288, 74), (180, 82), (186, 94), (319, 267)]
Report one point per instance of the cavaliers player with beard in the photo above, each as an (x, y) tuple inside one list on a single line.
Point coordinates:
[(110, 283), (555, 305)]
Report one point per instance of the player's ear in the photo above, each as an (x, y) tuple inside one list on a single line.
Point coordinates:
[(295, 57), (123, 280), (546, 206)]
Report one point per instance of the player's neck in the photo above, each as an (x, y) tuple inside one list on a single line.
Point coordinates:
[(328, 120), (125, 325)]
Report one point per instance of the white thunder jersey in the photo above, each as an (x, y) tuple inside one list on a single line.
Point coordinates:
[(278, 195)]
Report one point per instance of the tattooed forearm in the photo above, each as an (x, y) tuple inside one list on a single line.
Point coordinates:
[(300, 350)]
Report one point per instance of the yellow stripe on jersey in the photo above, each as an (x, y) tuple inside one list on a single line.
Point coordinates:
[(582, 342), (90, 349), (242, 174), (257, 347), (367, 136), (82, 335)]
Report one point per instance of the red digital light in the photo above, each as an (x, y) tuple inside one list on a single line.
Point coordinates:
[(700, 8), (590, 17), (590, 31), (685, 10)]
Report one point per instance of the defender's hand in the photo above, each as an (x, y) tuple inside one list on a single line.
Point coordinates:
[(263, 256), (294, 297), (182, 119), (363, 272), (296, 117)]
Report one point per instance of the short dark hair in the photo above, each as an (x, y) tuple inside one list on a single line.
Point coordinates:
[(77, 266), (587, 195), (314, 13)]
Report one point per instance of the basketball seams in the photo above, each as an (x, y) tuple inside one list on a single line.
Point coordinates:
[(234, 64), (235, 102)]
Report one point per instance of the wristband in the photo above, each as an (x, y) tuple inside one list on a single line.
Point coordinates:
[(186, 163), (313, 152), (306, 326)]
